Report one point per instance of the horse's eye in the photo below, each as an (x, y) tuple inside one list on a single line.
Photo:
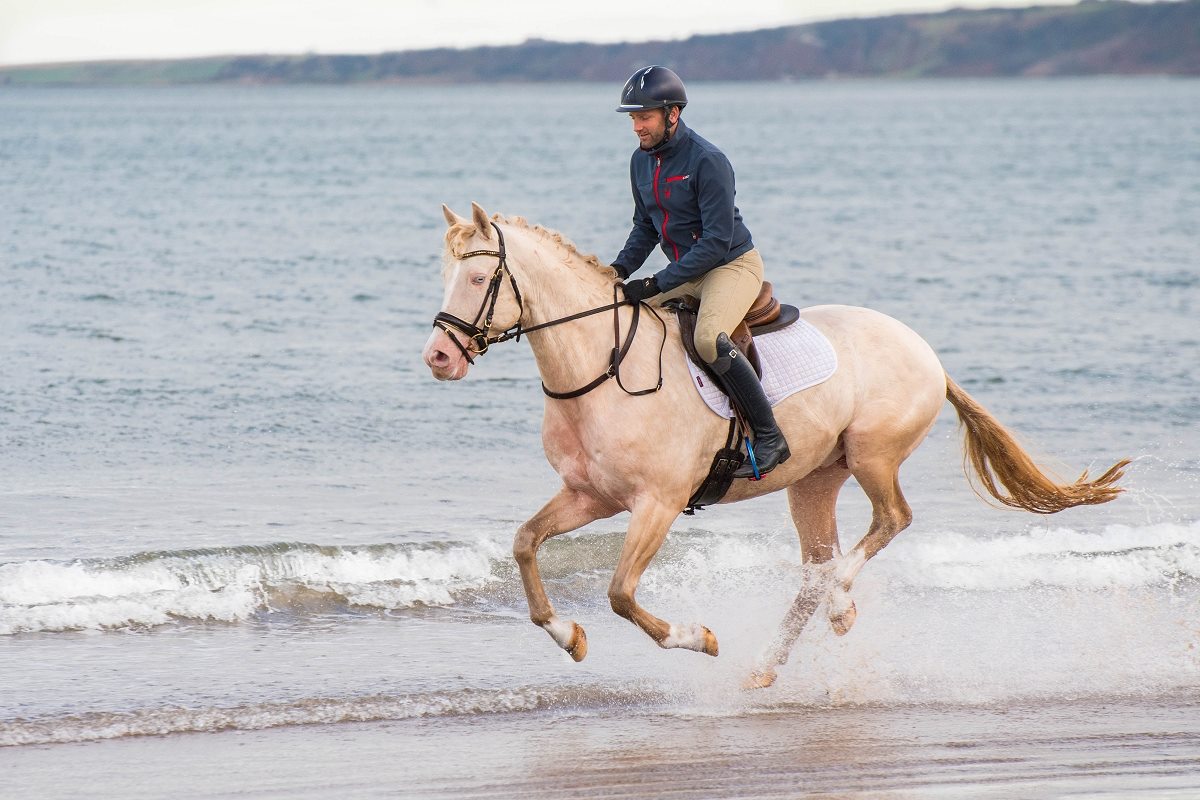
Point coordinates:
[(477, 280)]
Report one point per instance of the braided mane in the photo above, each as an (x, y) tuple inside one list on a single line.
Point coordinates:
[(458, 235)]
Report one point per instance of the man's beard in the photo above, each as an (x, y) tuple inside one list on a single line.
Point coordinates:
[(665, 136), (659, 142)]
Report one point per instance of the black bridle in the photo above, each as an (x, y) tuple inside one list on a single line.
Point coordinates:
[(479, 339), (476, 335)]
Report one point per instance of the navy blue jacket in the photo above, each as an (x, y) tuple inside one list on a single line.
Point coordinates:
[(683, 200)]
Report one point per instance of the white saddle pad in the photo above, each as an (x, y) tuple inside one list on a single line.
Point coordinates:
[(795, 358)]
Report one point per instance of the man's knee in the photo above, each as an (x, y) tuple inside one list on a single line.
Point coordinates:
[(706, 342)]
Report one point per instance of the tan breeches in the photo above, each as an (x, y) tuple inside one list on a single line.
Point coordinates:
[(726, 294)]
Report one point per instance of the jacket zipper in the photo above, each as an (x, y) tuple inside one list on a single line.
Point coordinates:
[(658, 200)]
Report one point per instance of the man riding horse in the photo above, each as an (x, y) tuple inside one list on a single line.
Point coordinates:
[(683, 192)]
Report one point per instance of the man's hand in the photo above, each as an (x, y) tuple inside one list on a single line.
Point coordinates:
[(640, 289)]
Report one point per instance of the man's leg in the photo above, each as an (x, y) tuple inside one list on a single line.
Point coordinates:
[(726, 294)]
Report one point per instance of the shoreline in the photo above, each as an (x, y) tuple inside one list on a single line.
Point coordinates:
[(1095, 747)]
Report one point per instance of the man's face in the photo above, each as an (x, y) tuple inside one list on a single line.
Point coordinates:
[(651, 126)]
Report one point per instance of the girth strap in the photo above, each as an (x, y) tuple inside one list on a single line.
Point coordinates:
[(720, 474)]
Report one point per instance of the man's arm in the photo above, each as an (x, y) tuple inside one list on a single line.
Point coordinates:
[(714, 193), (642, 239)]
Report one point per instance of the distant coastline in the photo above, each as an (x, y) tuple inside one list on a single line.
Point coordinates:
[(1094, 37)]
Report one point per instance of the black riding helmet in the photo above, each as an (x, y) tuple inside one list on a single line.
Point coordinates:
[(652, 87)]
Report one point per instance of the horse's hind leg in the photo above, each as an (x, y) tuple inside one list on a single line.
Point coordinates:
[(890, 514), (565, 512), (647, 529), (813, 503)]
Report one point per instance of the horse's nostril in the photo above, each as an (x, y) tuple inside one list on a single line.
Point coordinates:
[(440, 359)]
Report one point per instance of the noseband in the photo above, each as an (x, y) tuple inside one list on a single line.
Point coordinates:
[(479, 340)]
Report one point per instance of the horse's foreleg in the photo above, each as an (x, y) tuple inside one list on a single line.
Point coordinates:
[(890, 514), (565, 512), (647, 530), (813, 503)]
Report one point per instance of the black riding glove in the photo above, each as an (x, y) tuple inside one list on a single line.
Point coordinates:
[(640, 289), (622, 273)]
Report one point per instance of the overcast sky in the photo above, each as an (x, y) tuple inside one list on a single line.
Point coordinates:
[(37, 31)]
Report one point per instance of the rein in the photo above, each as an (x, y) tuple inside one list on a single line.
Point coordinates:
[(479, 338)]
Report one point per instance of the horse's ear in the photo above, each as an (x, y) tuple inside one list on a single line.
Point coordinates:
[(452, 219), (482, 223)]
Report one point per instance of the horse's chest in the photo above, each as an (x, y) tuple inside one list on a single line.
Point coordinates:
[(582, 461), (574, 462)]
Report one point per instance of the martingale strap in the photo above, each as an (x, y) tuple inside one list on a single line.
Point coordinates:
[(617, 355)]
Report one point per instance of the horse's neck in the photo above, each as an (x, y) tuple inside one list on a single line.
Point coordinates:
[(569, 354), (564, 289)]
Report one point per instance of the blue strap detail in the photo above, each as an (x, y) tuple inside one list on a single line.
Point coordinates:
[(753, 460)]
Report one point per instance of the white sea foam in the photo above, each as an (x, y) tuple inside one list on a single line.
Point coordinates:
[(232, 584), (1122, 556), (311, 711), (237, 583), (1161, 555)]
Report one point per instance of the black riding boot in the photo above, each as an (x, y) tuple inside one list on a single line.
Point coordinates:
[(770, 448)]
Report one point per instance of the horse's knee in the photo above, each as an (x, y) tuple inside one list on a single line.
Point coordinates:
[(621, 602), (524, 548)]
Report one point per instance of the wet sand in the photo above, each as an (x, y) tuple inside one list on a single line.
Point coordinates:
[(1080, 749)]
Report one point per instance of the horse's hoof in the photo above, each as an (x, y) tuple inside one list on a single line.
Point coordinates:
[(843, 622), (759, 679), (710, 642), (577, 647)]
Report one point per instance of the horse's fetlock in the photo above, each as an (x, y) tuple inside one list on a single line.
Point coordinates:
[(847, 567)]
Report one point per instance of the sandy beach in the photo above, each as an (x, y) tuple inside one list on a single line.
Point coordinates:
[(1145, 749)]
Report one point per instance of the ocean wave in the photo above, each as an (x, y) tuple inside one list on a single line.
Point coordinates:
[(312, 711), (233, 584), (238, 583), (683, 702), (1162, 556), (1119, 556)]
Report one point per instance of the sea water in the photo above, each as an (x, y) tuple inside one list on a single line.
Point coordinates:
[(233, 498)]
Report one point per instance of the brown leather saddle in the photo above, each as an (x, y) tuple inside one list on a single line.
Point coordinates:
[(766, 314)]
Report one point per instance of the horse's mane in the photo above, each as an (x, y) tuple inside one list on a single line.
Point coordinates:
[(458, 235)]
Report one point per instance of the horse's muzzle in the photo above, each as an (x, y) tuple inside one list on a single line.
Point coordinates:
[(445, 361)]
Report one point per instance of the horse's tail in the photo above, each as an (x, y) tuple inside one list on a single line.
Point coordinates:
[(996, 457)]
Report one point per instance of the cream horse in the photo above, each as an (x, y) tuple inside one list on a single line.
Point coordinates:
[(646, 454)]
